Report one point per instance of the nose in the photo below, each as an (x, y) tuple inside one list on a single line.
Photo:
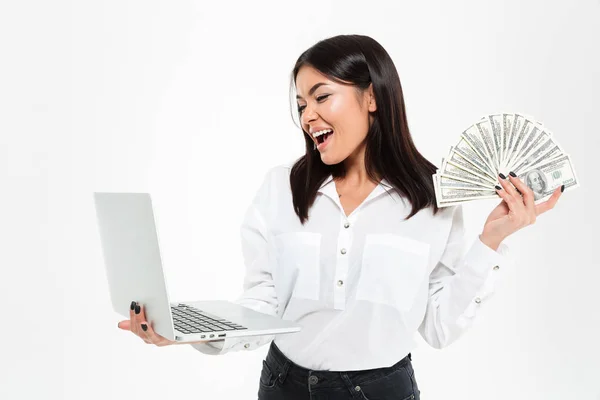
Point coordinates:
[(308, 115)]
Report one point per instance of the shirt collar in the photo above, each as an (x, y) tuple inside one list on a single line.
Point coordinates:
[(328, 188)]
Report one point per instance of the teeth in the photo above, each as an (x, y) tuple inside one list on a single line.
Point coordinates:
[(319, 133)]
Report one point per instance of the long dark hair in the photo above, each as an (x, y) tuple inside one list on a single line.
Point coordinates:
[(390, 152)]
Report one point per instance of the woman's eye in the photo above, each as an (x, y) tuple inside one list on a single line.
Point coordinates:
[(301, 108)]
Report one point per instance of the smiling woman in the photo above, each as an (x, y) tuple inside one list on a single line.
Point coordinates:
[(374, 261), (351, 107)]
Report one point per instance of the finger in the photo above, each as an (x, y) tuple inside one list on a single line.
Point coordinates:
[(508, 199), (131, 316), (142, 324), (506, 185), (551, 202), (125, 325), (526, 191), (135, 320), (154, 337), (147, 332)]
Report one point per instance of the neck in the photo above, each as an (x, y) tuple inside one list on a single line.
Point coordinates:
[(356, 172)]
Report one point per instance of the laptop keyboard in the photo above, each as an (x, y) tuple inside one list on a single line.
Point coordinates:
[(192, 320)]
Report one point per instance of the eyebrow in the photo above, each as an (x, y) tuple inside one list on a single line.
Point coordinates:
[(312, 89)]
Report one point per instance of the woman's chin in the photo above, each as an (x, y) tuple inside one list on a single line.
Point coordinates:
[(328, 159)]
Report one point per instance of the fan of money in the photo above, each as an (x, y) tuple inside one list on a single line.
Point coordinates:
[(501, 143)]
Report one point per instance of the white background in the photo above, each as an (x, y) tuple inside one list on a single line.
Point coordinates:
[(189, 101)]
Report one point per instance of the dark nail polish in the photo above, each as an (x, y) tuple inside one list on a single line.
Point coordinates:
[(132, 305), (512, 174), (137, 309), (562, 188), (144, 327), (498, 187), (502, 175)]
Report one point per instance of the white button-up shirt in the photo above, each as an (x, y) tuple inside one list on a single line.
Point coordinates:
[(359, 285)]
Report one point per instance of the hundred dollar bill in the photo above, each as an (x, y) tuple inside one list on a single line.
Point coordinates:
[(484, 129), (517, 124), (447, 182), (539, 140), (548, 151), (464, 149), (495, 121), (453, 171), (529, 130), (507, 121), (543, 151), (449, 194), (472, 138), (546, 177), (447, 203), (459, 161), (521, 128), (524, 146)]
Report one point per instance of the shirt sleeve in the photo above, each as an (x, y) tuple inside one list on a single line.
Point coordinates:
[(258, 287), (460, 284)]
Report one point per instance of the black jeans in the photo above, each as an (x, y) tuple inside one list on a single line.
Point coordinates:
[(281, 379)]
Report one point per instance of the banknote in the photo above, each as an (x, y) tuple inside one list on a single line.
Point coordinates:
[(471, 136), (525, 145), (521, 131), (507, 121), (546, 150), (500, 143), (446, 181), (544, 178), (464, 149), (495, 121), (455, 160), (453, 200)]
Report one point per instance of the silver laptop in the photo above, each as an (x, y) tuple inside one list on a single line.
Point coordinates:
[(133, 264)]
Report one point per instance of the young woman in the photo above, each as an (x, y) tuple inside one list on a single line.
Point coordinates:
[(348, 241)]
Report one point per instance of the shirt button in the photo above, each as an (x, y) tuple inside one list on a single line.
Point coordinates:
[(343, 251), (346, 225), (247, 345), (340, 283), (357, 388), (496, 267), (313, 380), (477, 300)]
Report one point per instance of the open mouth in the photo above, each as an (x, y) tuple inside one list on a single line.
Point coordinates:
[(323, 137)]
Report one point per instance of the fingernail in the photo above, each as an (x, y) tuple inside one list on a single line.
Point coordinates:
[(118, 325), (562, 188), (502, 175), (512, 174), (498, 187), (132, 306), (137, 309), (144, 327)]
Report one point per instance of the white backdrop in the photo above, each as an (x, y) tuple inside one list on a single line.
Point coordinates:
[(189, 101)]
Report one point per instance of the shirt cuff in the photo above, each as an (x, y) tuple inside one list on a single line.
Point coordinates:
[(480, 260), (211, 348), (217, 347)]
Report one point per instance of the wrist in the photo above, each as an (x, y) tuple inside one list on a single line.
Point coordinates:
[(490, 241)]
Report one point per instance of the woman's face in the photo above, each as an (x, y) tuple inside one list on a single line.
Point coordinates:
[(325, 104)]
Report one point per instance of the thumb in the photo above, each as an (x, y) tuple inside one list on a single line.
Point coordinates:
[(125, 325)]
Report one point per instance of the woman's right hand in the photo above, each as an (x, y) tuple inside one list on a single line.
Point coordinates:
[(139, 326)]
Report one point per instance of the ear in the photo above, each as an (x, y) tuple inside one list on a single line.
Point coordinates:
[(371, 98)]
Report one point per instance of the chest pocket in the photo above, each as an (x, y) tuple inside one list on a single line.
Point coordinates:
[(393, 269), (298, 263)]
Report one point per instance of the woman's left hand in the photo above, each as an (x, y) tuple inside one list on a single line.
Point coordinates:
[(514, 212)]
